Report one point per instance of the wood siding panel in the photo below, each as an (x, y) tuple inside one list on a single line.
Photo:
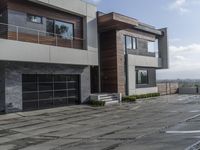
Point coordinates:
[(108, 62)]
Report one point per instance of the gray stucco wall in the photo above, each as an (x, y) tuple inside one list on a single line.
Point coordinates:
[(163, 48), (13, 80)]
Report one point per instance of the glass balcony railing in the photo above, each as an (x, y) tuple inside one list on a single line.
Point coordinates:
[(25, 34)]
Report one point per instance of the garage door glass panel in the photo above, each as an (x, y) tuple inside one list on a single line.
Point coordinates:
[(29, 78), (30, 87), (45, 78), (60, 101), (30, 96), (60, 78), (47, 90), (60, 86), (45, 95), (45, 86)]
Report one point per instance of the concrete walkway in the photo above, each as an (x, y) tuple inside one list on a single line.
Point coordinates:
[(169, 122)]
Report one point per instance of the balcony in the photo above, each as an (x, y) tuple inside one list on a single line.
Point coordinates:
[(23, 34), (30, 45)]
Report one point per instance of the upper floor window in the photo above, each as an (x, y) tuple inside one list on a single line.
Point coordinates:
[(130, 42), (153, 46), (34, 18), (142, 77), (62, 29), (65, 30)]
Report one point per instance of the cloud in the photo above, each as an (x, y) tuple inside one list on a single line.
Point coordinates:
[(93, 1), (184, 63), (183, 6), (179, 5)]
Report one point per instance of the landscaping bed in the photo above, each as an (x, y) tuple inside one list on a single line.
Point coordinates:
[(133, 98)]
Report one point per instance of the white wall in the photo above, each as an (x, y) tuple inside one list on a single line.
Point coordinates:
[(30, 52), (141, 61)]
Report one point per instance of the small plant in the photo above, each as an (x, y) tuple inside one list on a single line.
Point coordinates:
[(147, 95), (129, 99), (133, 98), (96, 103)]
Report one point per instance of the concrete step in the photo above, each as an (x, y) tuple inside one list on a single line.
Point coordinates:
[(107, 98), (111, 103)]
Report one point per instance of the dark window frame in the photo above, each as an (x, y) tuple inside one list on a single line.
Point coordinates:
[(29, 20), (54, 27), (133, 44), (147, 77)]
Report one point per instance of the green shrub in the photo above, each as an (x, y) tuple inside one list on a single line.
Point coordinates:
[(133, 98), (96, 103), (128, 99), (147, 95)]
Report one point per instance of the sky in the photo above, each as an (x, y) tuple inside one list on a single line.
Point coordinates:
[(182, 17)]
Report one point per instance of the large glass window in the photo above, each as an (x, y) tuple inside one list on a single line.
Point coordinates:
[(130, 42), (142, 77), (62, 29), (65, 30), (50, 26), (34, 18), (153, 46)]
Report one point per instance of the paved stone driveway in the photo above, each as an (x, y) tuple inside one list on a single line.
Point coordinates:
[(152, 124)]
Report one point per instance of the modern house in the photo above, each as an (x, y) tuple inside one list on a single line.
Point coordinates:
[(130, 53), (57, 52), (46, 50)]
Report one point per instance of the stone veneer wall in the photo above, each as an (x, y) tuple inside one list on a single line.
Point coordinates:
[(13, 80), (2, 87)]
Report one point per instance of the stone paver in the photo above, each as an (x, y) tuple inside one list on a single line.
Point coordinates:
[(144, 125)]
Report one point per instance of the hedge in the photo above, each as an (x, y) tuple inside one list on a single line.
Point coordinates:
[(134, 97), (147, 95), (128, 99), (96, 103)]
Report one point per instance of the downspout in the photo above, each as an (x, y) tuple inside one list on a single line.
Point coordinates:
[(126, 69), (99, 56)]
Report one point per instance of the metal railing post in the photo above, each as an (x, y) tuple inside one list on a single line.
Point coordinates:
[(17, 34), (38, 37), (71, 43), (56, 40)]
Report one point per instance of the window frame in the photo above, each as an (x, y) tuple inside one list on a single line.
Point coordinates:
[(73, 28), (147, 77), (29, 20), (133, 44), (54, 27)]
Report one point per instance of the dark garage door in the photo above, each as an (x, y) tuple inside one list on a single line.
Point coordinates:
[(45, 91)]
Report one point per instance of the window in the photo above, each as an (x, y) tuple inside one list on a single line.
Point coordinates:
[(62, 29), (65, 30), (153, 46), (50, 26), (34, 19), (134, 43), (130, 42), (142, 77)]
